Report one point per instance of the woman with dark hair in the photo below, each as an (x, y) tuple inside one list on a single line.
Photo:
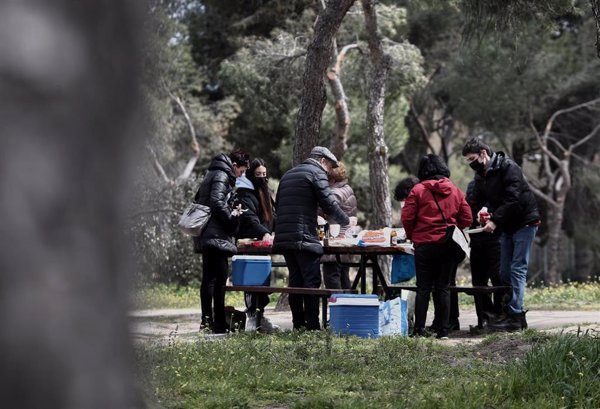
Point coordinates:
[(256, 223), (432, 205), (216, 243)]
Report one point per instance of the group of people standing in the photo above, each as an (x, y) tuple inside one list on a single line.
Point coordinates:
[(499, 198), (236, 189), (242, 206)]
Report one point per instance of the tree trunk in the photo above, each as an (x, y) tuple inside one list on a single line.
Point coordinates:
[(308, 123), (378, 151), (584, 261), (70, 123), (555, 216)]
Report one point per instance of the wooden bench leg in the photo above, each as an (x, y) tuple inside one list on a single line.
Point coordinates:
[(324, 310)]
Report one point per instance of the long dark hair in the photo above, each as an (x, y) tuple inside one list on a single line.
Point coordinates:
[(262, 192)]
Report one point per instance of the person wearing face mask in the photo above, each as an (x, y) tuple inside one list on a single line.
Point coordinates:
[(257, 222), (301, 191), (510, 207)]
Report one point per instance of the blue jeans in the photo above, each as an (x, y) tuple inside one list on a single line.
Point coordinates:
[(515, 249)]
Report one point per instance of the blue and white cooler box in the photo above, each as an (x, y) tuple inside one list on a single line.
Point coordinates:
[(354, 314), (251, 270)]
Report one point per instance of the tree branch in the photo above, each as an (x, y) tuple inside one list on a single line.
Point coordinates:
[(584, 139), (158, 166), (424, 132), (543, 196)]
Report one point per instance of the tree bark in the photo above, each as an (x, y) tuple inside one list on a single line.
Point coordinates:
[(377, 148), (71, 124), (308, 122)]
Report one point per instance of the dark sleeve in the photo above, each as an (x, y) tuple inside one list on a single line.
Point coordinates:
[(511, 182), (250, 226), (219, 207), (327, 201)]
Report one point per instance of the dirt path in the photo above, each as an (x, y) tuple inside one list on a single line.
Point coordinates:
[(183, 324)]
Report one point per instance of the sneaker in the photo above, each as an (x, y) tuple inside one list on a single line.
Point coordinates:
[(250, 322), (443, 335), (267, 326)]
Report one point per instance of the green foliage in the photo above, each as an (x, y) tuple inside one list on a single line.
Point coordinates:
[(303, 370)]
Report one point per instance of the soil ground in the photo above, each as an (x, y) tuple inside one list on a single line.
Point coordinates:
[(183, 324)]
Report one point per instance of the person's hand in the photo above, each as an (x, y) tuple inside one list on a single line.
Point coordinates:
[(483, 215), (489, 227), (237, 211), (267, 237)]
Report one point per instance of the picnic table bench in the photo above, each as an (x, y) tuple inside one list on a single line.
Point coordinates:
[(323, 293), (474, 290)]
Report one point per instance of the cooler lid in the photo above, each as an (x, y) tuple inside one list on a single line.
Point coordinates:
[(260, 258)]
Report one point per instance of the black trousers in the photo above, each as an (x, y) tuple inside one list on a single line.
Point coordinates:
[(256, 301), (305, 271), (336, 276), (212, 289), (485, 267), (435, 264)]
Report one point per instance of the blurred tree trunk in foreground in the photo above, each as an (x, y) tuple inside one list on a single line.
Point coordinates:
[(70, 99)]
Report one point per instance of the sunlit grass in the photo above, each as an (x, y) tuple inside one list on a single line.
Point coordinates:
[(318, 370)]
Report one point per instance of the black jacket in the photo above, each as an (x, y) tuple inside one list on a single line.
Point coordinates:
[(215, 191), (509, 199), (252, 225), (476, 198), (301, 191)]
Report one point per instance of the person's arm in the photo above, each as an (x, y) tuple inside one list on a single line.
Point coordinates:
[(409, 214), (218, 200), (512, 177), (250, 225)]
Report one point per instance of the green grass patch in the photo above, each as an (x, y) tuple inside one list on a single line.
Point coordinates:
[(317, 370), (568, 296)]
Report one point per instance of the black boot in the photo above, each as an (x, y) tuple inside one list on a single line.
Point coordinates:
[(523, 320), (512, 322)]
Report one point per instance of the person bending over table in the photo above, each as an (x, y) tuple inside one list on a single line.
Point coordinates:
[(301, 191), (256, 222)]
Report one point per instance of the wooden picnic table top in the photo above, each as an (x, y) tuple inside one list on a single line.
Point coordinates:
[(358, 250)]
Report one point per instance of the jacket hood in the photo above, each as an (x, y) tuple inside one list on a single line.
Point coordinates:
[(244, 183), (442, 186), (223, 163)]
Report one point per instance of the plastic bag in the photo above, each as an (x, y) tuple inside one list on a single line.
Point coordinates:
[(393, 317), (403, 268), (194, 219)]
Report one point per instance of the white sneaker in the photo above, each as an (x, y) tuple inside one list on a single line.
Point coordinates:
[(250, 322), (268, 326)]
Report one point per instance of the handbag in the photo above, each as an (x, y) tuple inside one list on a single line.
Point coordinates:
[(459, 251), (194, 219)]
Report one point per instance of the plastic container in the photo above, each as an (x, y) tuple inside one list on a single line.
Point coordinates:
[(251, 270), (354, 314)]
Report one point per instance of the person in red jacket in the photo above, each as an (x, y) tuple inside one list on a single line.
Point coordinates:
[(430, 207)]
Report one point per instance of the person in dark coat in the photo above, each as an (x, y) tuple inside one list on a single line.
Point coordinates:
[(425, 223), (301, 191), (485, 258), (216, 243), (334, 274), (513, 209), (256, 223)]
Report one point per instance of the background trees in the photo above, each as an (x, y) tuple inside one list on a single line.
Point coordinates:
[(233, 75)]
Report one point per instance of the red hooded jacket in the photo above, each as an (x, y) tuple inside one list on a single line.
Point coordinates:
[(421, 217)]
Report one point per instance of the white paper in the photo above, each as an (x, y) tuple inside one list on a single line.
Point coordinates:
[(460, 239)]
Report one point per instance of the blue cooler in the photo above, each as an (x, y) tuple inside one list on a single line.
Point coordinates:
[(251, 270), (354, 314)]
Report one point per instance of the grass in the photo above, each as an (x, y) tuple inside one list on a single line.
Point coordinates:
[(567, 296), (317, 370)]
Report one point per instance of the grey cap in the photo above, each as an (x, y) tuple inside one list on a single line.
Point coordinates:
[(323, 152)]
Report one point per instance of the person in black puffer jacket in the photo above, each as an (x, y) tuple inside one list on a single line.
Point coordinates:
[(512, 209), (485, 258), (216, 243), (256, 223), (301, 191)]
